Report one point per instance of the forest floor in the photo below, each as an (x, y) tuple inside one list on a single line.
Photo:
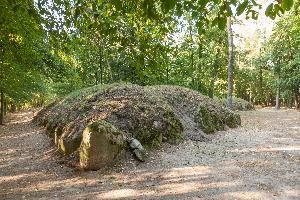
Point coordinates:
[(259, 160)]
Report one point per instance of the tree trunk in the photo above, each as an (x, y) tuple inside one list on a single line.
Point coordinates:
[(297, 98), (12, 107), (199, 67), (230, 63), (250, 94), (166, 63), (212, 88), (167, 70), (192, 57), (100, 57), (96, 77), (2, 108), (260, 83), (110, 73), (101, 64), (277, 106), (101, 74), (214, 75)]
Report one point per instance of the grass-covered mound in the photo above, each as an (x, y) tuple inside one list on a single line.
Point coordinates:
[(238, 104), (115, 113)]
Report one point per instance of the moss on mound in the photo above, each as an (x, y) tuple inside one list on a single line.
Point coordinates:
[(238, 104), (151, 114)]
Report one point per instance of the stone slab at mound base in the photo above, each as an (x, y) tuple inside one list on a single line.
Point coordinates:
[(92, 125), (101, 145)]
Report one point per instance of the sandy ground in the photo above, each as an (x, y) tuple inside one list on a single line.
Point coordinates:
[(260, 160)]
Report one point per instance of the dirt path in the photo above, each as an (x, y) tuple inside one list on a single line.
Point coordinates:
[(260, 160)]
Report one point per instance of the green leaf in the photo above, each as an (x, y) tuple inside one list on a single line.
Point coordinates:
[(214, 22), (254, 14), (269, 11), (222, 22), (241, 8), (200, 27), (278, 9), (168, 5), (287, 4), (179, 11), (77, 12)]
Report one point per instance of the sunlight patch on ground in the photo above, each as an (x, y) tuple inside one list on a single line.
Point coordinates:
[(5, 137), (176, 181), (125, 193), (267, 149), (48, 185), (196, 170), (292, 193), (246, 195), (4, 179), (22, 117), (295, 127)]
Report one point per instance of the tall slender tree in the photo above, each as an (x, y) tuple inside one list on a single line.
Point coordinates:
[(230, 62), (2, 108)]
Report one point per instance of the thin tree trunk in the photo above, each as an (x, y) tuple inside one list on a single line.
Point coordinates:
[(2, 108), (212, 88), (13, 107), (192, 57), (96, 77), (101, 74), (297, 100), (166, 63), (100, 63), (110, 74), (277, 106), (167, 70), (100, 51), (199, 69), (214, 75), (230, 63), (250, 95), (260, 90)]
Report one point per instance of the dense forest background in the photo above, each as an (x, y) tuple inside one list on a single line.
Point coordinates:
[(51, 48)]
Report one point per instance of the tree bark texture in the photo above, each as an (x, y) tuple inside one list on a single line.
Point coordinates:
[(230, 63), (277, 106), (2, 109)]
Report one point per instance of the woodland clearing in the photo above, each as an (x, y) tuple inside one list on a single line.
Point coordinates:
[(259, 160)]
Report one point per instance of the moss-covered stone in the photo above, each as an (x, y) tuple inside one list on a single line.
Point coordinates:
[(67, 146), (215, 119), (102, 144), (233, 120), (209, 121), (150, 138), (174, 129)]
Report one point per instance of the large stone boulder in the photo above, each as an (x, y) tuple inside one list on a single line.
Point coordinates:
[(102, 144)]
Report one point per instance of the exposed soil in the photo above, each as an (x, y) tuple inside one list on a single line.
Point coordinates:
[(260, 160)]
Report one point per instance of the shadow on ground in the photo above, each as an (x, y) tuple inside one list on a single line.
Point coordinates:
[(259, 160)]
